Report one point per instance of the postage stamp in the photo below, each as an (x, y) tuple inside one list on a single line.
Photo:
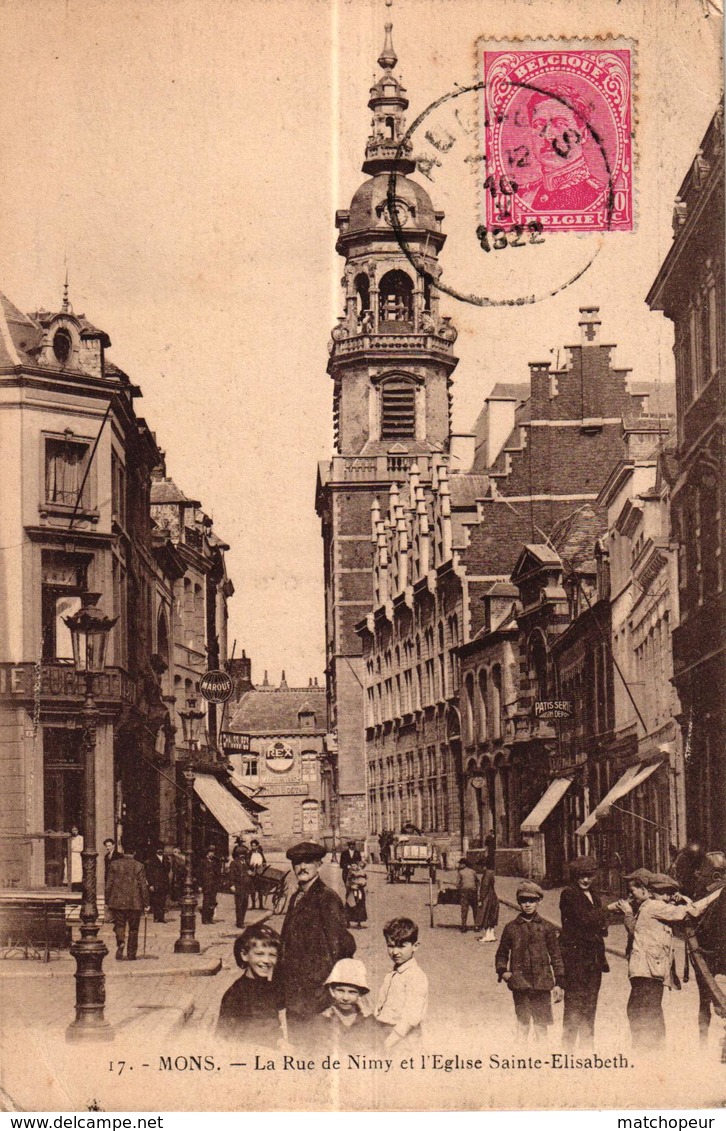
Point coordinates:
[(558, 135)]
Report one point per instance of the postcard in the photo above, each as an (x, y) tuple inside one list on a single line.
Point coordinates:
[(361, 579)]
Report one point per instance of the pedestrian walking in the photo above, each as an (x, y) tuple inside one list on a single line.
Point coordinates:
[(157, 877), (349, 855), (127, 896), (487, 911), (314, 937), (490, 845), (651, 951), (209, 883), (467, 884), (529, 960), (582, 942), (257, 866), (249, 1013), (403, 998), (355, 895), (240, 878)]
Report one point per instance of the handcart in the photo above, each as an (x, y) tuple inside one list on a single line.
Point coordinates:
[(272, 882)]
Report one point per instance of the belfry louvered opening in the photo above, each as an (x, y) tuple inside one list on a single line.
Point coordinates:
[(398, 411)]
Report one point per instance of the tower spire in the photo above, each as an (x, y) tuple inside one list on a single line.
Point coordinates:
[(386, 150), (66, 307), (388, 57)]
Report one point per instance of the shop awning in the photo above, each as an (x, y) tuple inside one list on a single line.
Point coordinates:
[(554, 793), (230, 813), (249, 801), (631, 779)]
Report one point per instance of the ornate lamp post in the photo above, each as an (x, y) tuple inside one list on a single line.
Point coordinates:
[(187, 943), (89, 630)]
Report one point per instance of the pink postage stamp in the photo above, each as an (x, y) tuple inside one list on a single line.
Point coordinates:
[(558, 136)]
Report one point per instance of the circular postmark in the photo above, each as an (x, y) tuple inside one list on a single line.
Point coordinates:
[(536, 151)]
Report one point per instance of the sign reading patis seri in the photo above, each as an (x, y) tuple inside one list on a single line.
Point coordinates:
[(216, 686), (553, 709)]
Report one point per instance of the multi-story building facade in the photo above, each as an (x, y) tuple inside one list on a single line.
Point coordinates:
[(444, 553), (274, 740), (391, 359), (689, 289), (76, 508), (75, 511), (643, 760)]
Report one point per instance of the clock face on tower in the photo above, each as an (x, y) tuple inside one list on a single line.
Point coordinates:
[(402, 212)]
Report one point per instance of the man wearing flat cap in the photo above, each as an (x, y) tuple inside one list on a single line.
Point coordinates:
[(650, 958), (314, 938), (582, 942)]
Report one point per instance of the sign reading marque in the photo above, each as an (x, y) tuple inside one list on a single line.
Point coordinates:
[(216, 686), (553, 709)]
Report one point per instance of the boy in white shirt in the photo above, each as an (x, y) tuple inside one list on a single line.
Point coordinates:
[(403, 998)]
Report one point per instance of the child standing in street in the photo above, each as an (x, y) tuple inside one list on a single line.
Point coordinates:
[(529, 960), (404, 994), (347, 1025), (250, 1010)]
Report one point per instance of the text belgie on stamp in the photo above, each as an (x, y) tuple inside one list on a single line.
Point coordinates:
[(558, 135)]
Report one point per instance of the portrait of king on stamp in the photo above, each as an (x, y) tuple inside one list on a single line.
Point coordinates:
[(558, 137)]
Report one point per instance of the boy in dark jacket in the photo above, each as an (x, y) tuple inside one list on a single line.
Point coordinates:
[(250, 1010), (528, 959)]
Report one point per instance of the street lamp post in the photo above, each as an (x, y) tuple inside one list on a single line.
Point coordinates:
[(89, 630), (187, 943)]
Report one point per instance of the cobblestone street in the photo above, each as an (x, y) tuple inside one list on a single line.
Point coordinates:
[(168, 1015)]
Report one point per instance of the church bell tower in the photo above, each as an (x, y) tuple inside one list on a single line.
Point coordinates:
[(391, 360)]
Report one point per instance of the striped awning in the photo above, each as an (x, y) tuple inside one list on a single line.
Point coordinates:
[(554, 793), (631, 779), (230, 813)]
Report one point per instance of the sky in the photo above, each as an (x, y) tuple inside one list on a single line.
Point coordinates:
[(184, 161)]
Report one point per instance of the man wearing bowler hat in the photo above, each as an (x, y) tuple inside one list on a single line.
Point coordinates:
[(582, 942), (314, 937)]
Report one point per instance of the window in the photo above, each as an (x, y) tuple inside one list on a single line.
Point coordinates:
[(250, 766), (118, 490), (309, 763), (482, 705), (398, 410), (306, 720), (396, 297), (65, 467), (63, 580), (62, 346)]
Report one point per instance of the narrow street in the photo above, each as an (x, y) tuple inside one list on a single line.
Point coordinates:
[(162, 1021)]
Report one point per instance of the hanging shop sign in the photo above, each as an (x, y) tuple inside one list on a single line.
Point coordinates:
[(553, 709), (231, 741), (216, 686)]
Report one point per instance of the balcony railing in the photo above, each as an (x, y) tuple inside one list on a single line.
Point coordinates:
[(380, 468), (392, 342)]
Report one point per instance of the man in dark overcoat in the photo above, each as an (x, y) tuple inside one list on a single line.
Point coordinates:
[(241, 880), (314, 937), (157, 877), (582, 942), (127, 894), (209, 883), (349, 856)]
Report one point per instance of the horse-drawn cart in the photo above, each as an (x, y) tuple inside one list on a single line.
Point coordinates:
[(409, 854)]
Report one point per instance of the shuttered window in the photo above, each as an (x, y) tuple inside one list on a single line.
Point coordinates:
[(398, 411)]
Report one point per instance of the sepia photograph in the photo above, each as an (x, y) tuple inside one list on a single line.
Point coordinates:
[(362, 609)]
